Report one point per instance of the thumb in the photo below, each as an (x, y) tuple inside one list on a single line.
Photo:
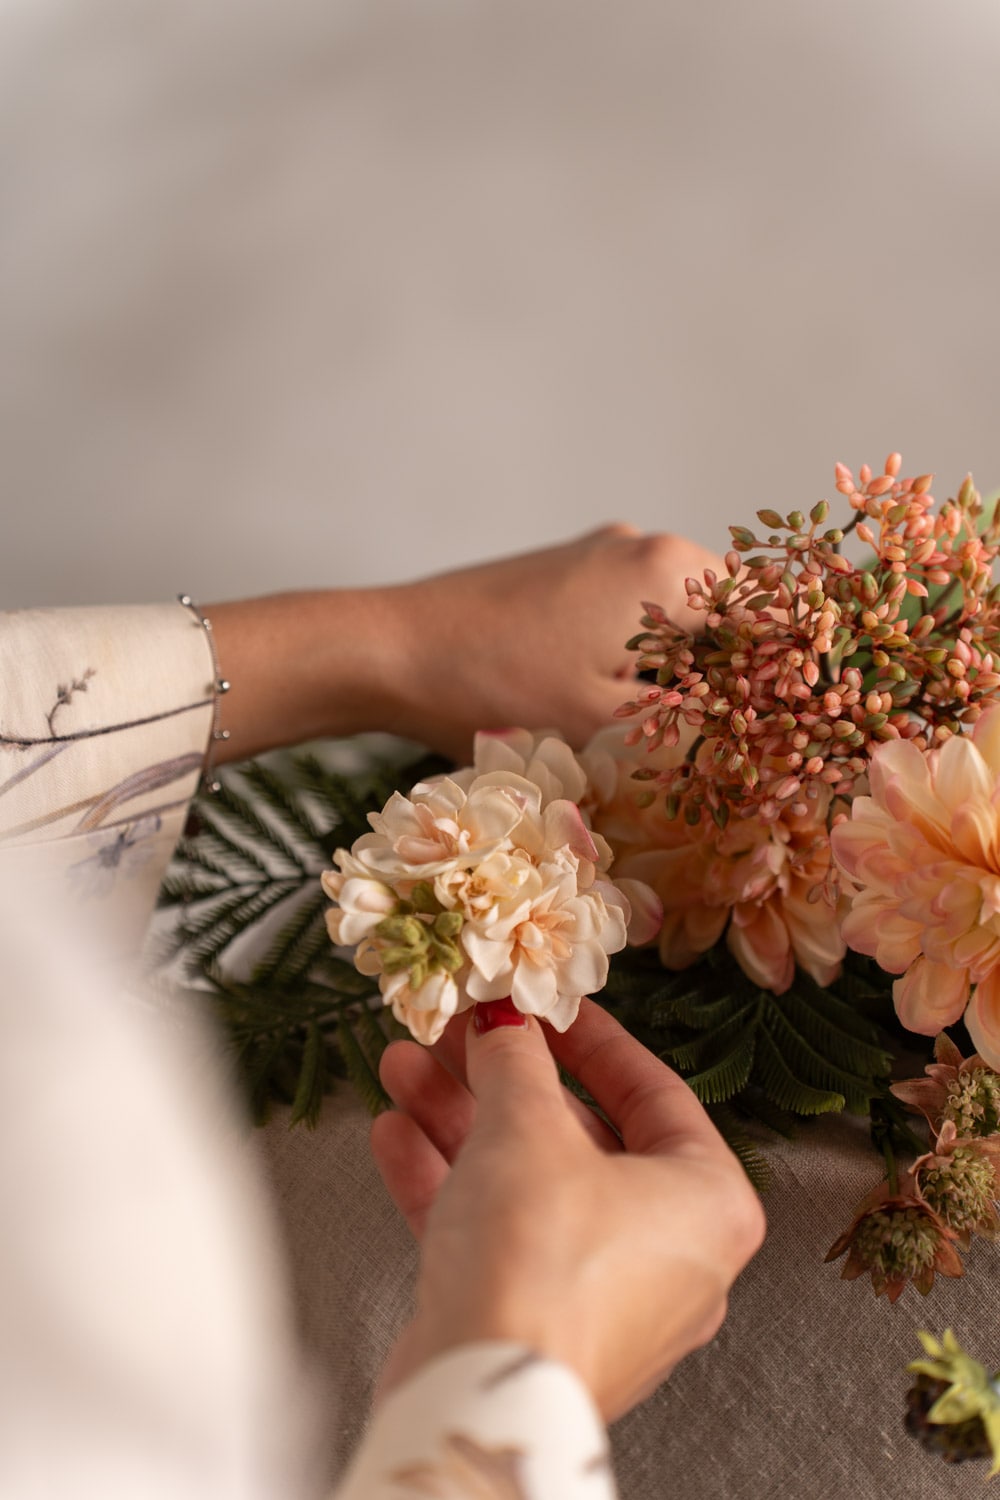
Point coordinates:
[(508, 1063)]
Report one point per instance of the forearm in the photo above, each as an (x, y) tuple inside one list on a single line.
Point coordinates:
[(308, 665)]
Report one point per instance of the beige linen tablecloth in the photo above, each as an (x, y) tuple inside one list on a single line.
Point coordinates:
[(801, 1395)]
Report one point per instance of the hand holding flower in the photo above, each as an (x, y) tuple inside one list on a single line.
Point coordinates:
[(612, 1256)]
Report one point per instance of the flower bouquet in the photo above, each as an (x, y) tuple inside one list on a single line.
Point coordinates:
[(780, 867)]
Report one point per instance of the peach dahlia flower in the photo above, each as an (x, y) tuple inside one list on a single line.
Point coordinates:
[(923, 854), (762, 884)]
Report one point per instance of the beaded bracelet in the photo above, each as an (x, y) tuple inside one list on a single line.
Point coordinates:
[(220, 685)]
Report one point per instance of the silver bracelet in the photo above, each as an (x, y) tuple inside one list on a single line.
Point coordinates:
[(220, 686)]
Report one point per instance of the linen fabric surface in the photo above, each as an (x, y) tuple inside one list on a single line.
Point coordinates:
[(148, 1345), (802, 1392)]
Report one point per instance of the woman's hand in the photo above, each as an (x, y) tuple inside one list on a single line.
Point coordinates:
[(536, 641), (538, 1225), (539, 640)]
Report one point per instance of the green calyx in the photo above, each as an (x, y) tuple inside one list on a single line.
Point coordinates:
[(974, 1102), (961, 1190), (897, 1242), (421, 937)]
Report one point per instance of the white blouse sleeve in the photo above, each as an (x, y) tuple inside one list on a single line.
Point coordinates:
[(135, 1245), (104, 723), (489, 1421)]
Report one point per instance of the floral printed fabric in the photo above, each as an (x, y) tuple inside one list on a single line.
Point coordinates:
[(487, 1422), (105, 714), (104, 718)]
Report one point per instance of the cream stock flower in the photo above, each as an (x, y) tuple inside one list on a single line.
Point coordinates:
[(923, 853), (548, 946), (485, 884)]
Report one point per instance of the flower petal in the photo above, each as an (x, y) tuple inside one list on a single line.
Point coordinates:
[(930, 996), (983, 1019)]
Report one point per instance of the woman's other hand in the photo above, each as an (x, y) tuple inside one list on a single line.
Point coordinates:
[(612, 1253)]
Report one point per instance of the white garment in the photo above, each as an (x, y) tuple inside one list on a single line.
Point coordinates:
[(146, 1344)]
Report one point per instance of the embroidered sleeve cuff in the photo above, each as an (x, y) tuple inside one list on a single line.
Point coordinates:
[(487, 1420)]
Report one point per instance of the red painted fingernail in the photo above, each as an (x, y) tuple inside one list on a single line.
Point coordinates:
[(489, 1014)]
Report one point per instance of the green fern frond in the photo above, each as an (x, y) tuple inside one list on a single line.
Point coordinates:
[(294, 949), (693, 1010), (782, 1086), (371, 1036), (836, 1039), (222, 929), (809, 1064), (742, 1145), (341, 976), (729, 1074), (360, 1071), (312, 1081), (274, 791), (253, 833), (218, 856), (702, 1049)]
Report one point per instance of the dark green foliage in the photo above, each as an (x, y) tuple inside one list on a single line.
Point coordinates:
[(302, 1015), (806, 1052)]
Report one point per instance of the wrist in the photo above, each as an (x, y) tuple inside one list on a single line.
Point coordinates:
[(310, 665)]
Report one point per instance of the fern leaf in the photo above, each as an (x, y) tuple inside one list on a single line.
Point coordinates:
[(312, 1078), (297, 944), (235, 820), (360, 1070), (846, 1049), (752, 1159), (259, 1056), (219, 932), (217, 856), (716, 1084), (783, 1088), (811, 1065), (694, 1010), (699, 1050), (342, 976), (279, 800), (371, 1037)]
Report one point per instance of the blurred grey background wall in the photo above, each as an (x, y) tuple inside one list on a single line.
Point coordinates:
[(330, 291)]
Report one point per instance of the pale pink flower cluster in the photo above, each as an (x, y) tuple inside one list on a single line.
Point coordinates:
[(485, 884), (763, 885), (808, 661), (922, 858)]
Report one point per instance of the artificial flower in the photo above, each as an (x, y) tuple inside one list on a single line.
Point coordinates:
[(486, 884), (763, 886), (923, 855), (954, 1405), (895, 1237), (770, 686), (958, 1180), (965, 1091)]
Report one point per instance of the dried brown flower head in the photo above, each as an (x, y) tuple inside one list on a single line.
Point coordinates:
[(965, 1091), (897, 1237), (960, 1180)]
